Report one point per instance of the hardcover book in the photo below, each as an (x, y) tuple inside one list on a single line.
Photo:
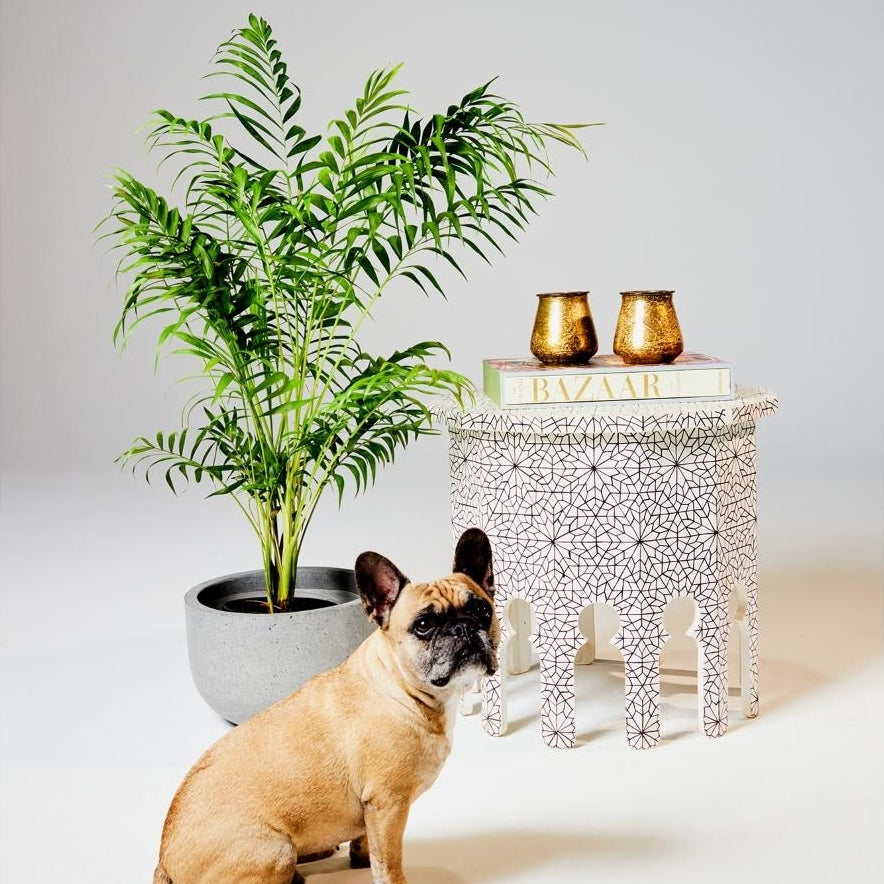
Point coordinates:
[(520, 382)]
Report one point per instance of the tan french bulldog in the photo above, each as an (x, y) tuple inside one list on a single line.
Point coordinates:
[(342, 758)]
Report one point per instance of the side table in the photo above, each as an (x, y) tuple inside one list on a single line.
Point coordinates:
[(630, 504)]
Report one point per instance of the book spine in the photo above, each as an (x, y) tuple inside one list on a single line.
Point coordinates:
[(617, 386), (492, 383)]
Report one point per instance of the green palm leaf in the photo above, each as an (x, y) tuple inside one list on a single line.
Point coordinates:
[(274, 257)]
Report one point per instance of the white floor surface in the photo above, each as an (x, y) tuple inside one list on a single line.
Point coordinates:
[(100, 721)]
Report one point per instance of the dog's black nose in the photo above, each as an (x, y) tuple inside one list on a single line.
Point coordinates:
[(463, 628)]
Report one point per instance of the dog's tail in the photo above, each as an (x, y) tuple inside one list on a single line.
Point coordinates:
[(160, 876)]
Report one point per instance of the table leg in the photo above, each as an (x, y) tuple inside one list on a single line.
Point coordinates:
[(748, 631), (711, 632), (558, 638), (738, 626), (586, 654), (471, 699), (557, 699), (641, 648), (494, 719), (516, 653), (642, 701)]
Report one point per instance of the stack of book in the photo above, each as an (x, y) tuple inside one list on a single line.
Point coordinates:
[(515, 383)]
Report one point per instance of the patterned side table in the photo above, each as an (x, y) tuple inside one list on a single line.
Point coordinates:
[(631, 504)]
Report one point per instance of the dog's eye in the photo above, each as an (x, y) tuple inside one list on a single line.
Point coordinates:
[(423, 626)]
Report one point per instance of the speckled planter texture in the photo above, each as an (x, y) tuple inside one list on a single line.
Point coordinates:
[(242, 663)]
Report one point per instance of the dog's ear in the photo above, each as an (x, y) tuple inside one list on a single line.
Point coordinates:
[(379, 583), (473, 558)]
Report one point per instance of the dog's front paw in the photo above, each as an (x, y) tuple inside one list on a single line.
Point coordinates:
[(359, 857)]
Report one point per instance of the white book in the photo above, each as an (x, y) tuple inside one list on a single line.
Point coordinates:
[(520, 382)]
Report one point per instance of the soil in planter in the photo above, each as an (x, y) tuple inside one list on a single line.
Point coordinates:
[(256, 605)]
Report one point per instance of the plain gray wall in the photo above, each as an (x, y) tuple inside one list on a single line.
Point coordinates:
[(740, 165)]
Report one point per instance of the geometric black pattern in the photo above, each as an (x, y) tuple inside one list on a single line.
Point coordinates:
[(630, 504)]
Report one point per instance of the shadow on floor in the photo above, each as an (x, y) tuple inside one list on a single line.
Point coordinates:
[(496, 856)]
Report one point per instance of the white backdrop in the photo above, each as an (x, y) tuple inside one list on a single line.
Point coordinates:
[(739, 164)]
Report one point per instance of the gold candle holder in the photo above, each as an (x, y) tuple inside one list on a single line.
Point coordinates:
[(564, 333), (647, 328)]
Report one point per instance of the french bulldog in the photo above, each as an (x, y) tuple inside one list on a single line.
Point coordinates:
[(344, 756)]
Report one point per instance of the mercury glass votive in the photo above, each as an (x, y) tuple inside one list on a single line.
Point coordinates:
[(647, 328), (564, 333)]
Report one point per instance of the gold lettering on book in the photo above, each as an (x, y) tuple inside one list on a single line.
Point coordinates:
[(577, 385), (595, 387), (581, 395), (628, 388), (651, 380)]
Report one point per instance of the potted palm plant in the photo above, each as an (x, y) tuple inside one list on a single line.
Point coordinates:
[(264, 273)]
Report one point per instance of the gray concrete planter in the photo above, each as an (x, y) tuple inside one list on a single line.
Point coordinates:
[(242, 663)]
